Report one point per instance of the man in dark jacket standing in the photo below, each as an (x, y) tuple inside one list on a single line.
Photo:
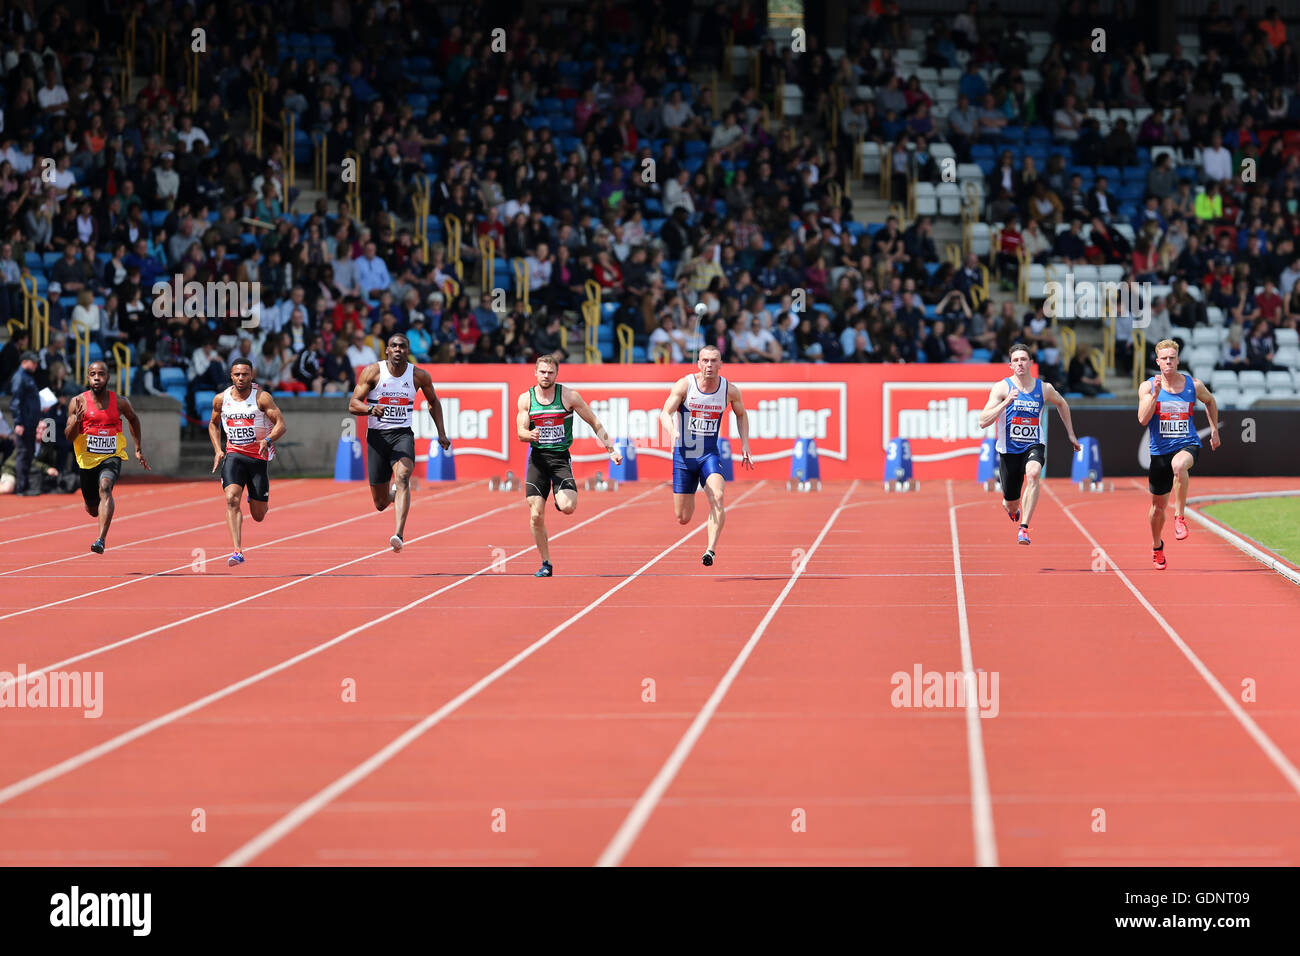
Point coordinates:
[(26, 410)]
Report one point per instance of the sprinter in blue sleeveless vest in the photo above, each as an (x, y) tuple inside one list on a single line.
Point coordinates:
[(692, 419), (1167, 407), (1018, 405)]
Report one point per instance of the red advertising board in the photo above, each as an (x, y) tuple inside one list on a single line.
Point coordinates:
[(850, 411)]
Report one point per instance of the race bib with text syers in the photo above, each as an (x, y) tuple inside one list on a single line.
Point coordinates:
[(240, 432)]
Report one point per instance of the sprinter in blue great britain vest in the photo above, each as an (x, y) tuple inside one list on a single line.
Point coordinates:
[(1167, 407), (1018, 405), (692, 420)]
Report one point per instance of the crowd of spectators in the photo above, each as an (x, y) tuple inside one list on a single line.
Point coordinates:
[(542, 150)]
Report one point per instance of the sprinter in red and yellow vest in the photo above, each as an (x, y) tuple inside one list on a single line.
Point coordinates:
[(253, 424), (95, 430)]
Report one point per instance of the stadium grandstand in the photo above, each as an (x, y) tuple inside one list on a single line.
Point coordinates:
[(580, 179)]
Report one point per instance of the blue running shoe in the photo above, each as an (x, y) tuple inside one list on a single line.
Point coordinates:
[(236, 558), (98, 546), (1023, 537), (544, 571)]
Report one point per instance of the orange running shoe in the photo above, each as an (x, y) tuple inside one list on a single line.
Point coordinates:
[(1180, 527), (1158, 557)]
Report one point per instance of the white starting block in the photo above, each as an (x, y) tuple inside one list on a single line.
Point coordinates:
[(508, 483), (992, 484), (598, 482), (804, 485), (1091, 485), (908, 484)]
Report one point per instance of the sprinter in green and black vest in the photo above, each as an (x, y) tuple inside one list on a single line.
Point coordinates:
[(546, 422)]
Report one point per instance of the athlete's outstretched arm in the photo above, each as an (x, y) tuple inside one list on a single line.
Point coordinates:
[(522, 420), (999, 398), (75, 411), (1063, 408), (366, 381), (583, 411), (273, 415), (126, 411), (214, 432), (742, 423), (435, 406), (1146, 402), (1211, 409), (668, 415)]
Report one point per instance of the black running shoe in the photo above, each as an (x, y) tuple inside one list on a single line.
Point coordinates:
[(98, 546), (544, 571), (707, 560)]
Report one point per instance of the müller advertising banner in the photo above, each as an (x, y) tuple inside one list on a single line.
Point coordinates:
[(851, 411)]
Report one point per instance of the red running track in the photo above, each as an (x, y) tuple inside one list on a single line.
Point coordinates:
[(501, 719)]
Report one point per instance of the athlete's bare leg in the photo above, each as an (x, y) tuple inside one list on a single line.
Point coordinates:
[(234, 517), (1159, 503), (714, 493), (566, 501), (382, 495), (537, 524), (1029, 494), (106, 504), (1182, 465), (257, 509), (684, 507), (402, 479)]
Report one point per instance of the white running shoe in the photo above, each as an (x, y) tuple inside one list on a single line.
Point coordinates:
[(396, 542)]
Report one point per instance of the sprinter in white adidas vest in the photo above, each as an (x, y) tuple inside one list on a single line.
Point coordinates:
[(252, 423), (1018, 404), (693, 418), (385, 393)]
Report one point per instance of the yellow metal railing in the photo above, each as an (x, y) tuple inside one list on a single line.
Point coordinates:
[(255, 117), (80, 351), (487, 260), (290, 163), (453, 228), (320, 158), (523, 282), (1108, 342), (352, 190), (192, 76), (122, 355), (36, 313), (451, 289), (1139, 357), (625, 339), (1069, 341), (591, 341), (160, 51)]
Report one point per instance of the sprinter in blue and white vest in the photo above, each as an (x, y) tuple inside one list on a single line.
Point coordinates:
[(1018, 405)]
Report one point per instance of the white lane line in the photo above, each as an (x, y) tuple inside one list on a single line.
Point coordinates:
[(158, 537), (636, 820), (188, 564), (72, 763), (305, 810), (1271, 750), (1240, 541), (981, 800), (104, 648), (81, 526)]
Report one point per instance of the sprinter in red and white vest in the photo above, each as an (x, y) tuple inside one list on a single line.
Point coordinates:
[(95, 430), (252, 424)]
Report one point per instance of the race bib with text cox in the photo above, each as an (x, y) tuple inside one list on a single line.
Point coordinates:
[(101, 444), (1023, 430)]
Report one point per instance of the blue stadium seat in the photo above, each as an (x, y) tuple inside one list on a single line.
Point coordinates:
[(696, 148), (1110, 172), (50, 258), (170, 375)]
